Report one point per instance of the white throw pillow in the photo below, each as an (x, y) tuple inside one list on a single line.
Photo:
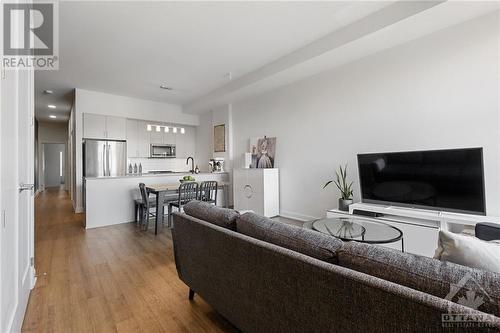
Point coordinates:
[(468, 251)]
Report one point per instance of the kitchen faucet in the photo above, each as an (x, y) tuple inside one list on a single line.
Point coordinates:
[(192, 163)]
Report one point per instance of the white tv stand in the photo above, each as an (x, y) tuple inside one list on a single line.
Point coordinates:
[(445, 219), (420, 227)]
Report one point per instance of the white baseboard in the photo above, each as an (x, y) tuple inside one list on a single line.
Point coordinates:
[(79, 210), (297, 216)]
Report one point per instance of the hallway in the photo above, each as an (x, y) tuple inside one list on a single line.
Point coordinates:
[(111, 279)]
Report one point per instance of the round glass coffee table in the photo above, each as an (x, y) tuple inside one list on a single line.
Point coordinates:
[(359, 230)]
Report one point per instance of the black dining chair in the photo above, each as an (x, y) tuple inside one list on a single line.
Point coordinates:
[(207, 192), (187, 192), (143, 205), (143, 210)]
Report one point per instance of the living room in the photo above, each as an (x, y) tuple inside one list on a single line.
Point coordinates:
[(268, 112)]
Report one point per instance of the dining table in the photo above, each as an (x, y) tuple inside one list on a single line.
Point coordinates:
[(161, 191)]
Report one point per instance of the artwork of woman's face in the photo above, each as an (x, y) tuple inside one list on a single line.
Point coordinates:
[(264, 145)]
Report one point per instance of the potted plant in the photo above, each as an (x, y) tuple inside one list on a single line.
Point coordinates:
[(344, 188)]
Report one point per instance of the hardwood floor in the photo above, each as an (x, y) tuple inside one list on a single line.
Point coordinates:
[(110, 279)]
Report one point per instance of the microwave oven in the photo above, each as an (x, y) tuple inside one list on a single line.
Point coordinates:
[(162, 151)]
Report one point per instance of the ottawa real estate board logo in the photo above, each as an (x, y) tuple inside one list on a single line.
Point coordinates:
[(30, 35)]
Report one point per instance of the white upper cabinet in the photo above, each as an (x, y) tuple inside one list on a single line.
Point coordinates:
[(156, 137), (94, 126), (142, 139), (116, 128), (185, 143), (132, 138), (137, 138), (97, 126), (170, 138), (190, 140)]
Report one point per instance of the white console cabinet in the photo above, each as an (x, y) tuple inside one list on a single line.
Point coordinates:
[(257, 190)]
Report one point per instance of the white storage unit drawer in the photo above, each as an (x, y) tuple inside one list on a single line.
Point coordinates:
[(257, 190)]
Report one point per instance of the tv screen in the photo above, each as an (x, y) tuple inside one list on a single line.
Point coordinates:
[(447, 180)]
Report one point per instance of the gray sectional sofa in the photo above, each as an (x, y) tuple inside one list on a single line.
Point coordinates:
[(266, 276)]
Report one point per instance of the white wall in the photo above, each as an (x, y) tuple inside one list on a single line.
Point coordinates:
[(52, 132), (87, 101), (204, 141), (440, 91)]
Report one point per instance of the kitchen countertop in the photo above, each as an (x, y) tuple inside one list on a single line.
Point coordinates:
[(142, 175)]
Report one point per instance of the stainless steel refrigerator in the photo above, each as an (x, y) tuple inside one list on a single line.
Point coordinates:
[(104, 158)]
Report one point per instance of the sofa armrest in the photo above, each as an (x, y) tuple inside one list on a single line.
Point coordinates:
[(488, 231)]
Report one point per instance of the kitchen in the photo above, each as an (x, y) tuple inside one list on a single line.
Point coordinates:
[(119, 152)]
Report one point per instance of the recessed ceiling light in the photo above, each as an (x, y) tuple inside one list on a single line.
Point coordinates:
[(48, 91), (52, 116), (51, 106), (163, 86)]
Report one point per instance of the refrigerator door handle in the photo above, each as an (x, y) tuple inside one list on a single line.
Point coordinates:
[(104, 157), (109, 160)]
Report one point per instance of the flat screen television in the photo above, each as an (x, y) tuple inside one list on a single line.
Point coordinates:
[(445, 180)]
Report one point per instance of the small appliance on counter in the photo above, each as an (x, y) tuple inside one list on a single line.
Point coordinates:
[(216, 164)]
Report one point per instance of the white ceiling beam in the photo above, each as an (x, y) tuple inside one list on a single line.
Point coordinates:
[(365, 26)]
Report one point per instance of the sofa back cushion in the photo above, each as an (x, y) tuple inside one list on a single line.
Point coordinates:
[(308, 242), (442, 279), (222, 217)]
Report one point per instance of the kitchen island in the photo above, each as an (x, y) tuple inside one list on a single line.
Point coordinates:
[(110, 200)]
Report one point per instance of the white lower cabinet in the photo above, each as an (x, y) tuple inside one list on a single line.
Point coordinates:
[(257, 190)]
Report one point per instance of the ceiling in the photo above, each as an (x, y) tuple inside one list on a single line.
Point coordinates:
[(131, 48)]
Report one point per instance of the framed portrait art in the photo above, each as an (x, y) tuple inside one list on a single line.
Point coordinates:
[(220, 138)]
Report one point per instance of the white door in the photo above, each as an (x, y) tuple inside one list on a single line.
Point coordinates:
[(17, 171), (53, 164)]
